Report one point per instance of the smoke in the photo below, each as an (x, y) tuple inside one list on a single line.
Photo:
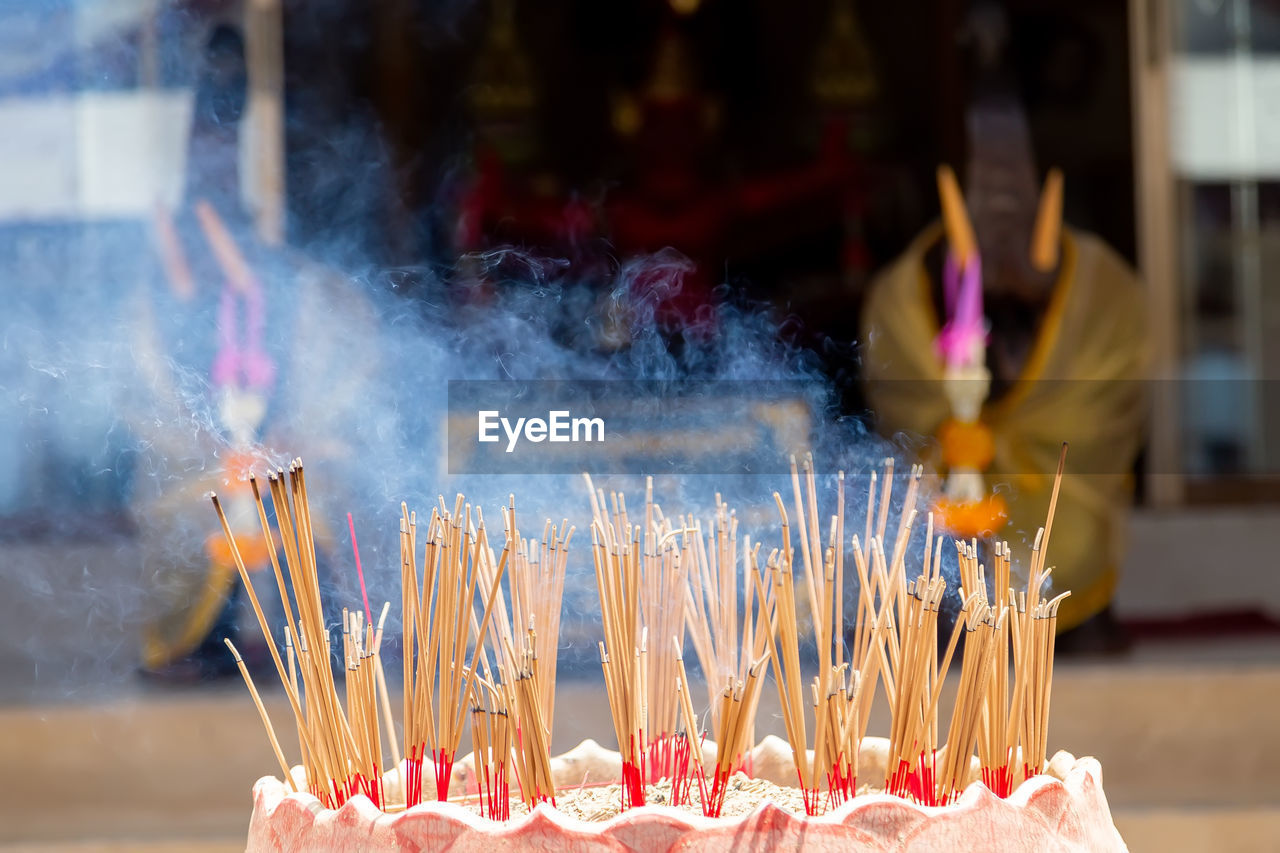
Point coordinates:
[(112, 428)]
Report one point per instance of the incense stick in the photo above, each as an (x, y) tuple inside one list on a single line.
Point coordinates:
[(262, 712)]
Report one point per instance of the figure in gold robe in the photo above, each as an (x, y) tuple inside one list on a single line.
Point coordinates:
[(1064, 347)]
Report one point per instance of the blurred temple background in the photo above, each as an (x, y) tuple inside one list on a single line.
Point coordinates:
[(352, 185)]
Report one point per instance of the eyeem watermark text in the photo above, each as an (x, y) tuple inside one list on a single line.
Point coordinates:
[(558, 426), (622, 426)]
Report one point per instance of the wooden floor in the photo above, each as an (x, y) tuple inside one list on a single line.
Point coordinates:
[(1190, 755)]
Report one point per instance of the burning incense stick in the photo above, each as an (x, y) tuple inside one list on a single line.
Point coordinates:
[(341, 741), (895, 641), (725, 634), (840, 693), (615, 547), (438, 626), (737, 711), (523, 689), (641, 578), (537, 577), (733, 659)]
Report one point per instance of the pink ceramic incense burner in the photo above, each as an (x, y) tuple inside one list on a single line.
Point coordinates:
[(1062, 810)]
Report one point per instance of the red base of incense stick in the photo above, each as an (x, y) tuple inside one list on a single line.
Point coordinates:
[(998, 779), (681, 780), (413, 778), (632, 785)]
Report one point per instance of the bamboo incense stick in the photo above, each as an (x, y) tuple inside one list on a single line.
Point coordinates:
[(262, 712)]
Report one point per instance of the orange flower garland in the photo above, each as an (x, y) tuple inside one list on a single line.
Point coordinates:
[(971, 446), (967, 519), (966, 445)]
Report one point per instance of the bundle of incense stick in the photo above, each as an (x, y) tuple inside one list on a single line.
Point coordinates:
[(1034, 623), (639, 576), (908, 647), (615, 548), (1009, 719), (841, 692), (341, 749), (735, 713), (993, 748), (1000, 720), (537, 578), (523, 691), (341, 742), (895, 641), (913, 734), (439, 623), (982, 626), (732, 659), (359, 642), (724, 650)]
